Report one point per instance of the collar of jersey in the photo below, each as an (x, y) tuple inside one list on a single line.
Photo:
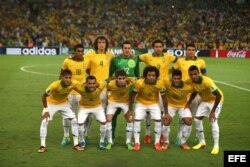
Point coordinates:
[(199, 80), (195, 58), (181, 85), (154, 55), (63, 84)]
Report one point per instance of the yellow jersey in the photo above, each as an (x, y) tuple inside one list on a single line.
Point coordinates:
[(148, 94), (58, 93), (99, 64), (161, 62), (78, 69), (205, 87), (120, 94), (177, 96), (183, 65), (91, 99)]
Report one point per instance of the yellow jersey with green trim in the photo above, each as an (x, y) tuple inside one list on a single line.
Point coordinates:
[(58, 93), (78, 69), (99, 64), (177, 96), (91, 99), (161, 62), (120, 94), (183, 65), (148, 94), (205, 87)]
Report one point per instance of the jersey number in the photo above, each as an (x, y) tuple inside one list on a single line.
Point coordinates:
[(101, 63), (78, 71)]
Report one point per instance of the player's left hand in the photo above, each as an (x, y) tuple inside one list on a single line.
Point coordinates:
[(212, 117)]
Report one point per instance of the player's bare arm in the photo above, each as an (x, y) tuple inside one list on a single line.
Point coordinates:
[(218, 96), (45, 107), (193, 95)]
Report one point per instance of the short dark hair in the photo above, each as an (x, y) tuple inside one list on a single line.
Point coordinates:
[(176, 73), (125, 42), (157, 41), (66, 72), (190, 45), (150, 69), (90, 77), (78, 46), (101, 37), (120, 72), (192, 68)]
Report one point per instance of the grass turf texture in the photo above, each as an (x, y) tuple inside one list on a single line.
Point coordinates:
[(21, 108)]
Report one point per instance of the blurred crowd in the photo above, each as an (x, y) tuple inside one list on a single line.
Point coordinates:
[(210, 24)]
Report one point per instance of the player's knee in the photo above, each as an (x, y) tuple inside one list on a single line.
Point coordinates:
[(187, 121)]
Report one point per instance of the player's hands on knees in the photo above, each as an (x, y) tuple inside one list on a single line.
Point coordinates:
[(46, 116), (129, 116), (166, 119), (212, 117)]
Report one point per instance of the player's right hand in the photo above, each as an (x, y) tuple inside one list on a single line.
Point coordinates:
[(46, 116)]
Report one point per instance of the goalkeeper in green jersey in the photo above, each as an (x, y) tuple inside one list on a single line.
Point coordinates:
[(130, 64)]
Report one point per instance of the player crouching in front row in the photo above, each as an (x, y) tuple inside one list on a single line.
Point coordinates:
[(177, 92), (90, 103), (55, 99), (146, 92)]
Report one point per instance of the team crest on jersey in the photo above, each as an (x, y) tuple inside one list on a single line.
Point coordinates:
[(131, 63)]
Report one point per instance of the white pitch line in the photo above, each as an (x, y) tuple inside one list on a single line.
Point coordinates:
[(234, 86), (24, 68)]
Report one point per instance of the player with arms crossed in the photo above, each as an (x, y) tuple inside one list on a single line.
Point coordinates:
[(90, 103), (210, 106), (130, 64), (55, 99), (78, 65), (146, 92), (162, 62), (177, 92)]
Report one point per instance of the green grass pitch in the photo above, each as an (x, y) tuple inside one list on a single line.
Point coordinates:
[(21, 108)]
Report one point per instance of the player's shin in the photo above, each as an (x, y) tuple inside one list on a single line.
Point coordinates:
[(147, 121), (215, 132), (137, 130), (103, 128), (200, 130), (109, 132), (74, 129), (166, 132), (129, 130), (43, 132), (66, 126), (185, 133), (157, 131), (81, 133)]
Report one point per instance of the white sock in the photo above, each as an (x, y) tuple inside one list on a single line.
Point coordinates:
[(109, 132), (43, 132), (87, 124), (129, 130), (137, 130), (166, 132), (81, 133), (180, 128), (74, 129), (147, 121), (215, 131), (103, 129), (66, 126), (199, 128), (185, 133), (157, 132)]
